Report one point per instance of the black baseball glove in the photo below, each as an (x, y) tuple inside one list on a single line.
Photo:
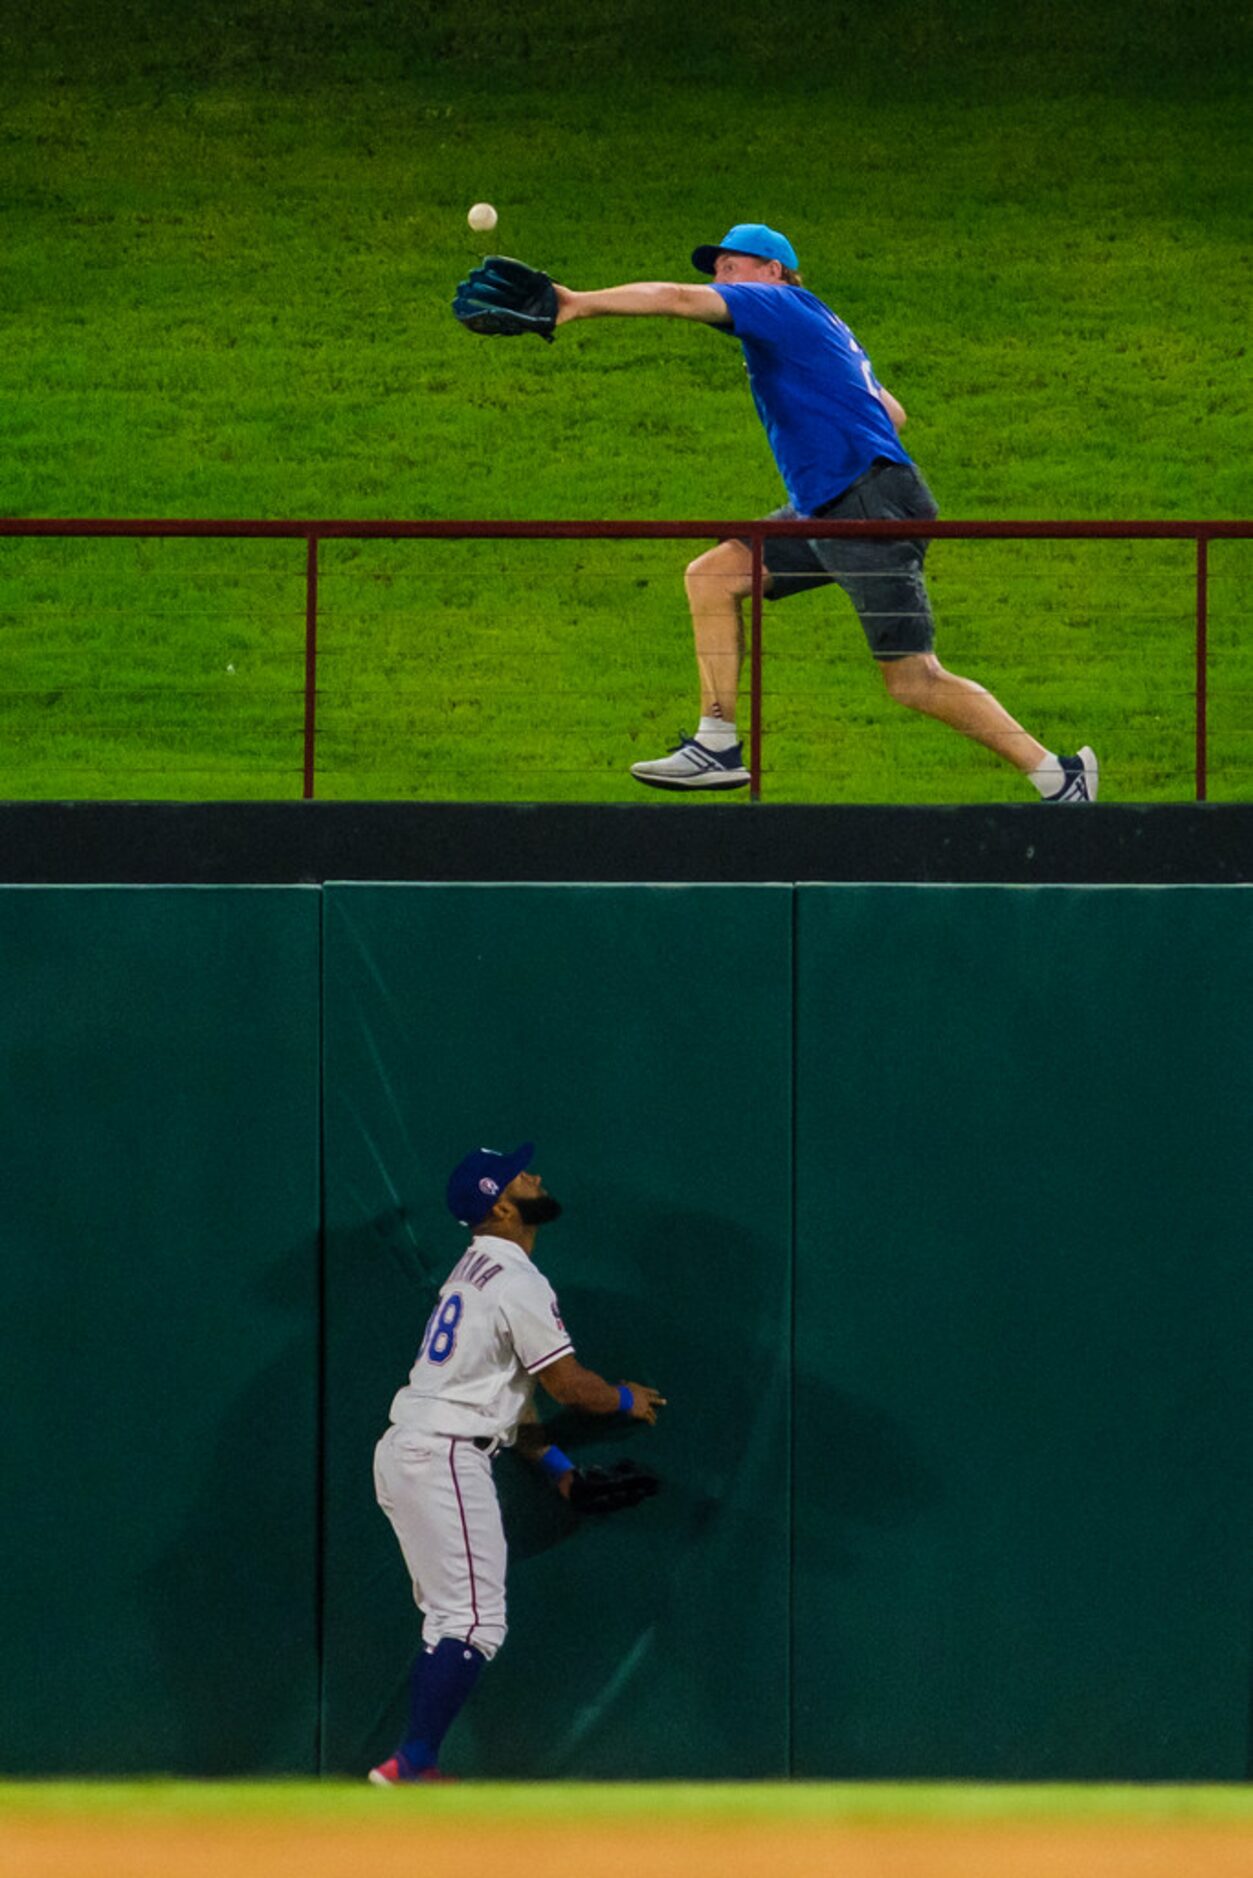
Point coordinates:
[(505, 297), (611, 1489)]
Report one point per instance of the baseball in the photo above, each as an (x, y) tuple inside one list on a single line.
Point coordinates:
[(482, 218)]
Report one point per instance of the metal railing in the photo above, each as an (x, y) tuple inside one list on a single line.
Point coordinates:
[(753, 532)]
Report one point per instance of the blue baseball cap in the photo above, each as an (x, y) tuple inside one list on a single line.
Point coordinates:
[(747, 238), (475, 1184)]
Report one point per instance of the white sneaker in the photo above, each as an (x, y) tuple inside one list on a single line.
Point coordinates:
[(1083, 778), (692, 766)]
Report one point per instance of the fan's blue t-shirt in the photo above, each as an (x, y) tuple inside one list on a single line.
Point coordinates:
[(814, 389)]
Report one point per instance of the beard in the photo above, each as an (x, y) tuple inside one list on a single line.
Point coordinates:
[(537, 1209)]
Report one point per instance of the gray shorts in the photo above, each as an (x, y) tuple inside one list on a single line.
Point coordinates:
[(883, 579)]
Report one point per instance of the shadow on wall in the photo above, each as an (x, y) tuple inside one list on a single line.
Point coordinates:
[(233, 1603), (874, 1478)]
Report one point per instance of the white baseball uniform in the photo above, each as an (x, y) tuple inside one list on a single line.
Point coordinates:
[(496, 1326)]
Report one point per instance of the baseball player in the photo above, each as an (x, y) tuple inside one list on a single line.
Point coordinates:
[(495, 1328), (834, 431)]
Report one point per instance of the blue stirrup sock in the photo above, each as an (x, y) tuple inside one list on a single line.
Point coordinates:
[(439, 1682)]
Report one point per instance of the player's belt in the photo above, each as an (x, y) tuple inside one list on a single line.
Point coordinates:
[(486, 1444), (867, 476)]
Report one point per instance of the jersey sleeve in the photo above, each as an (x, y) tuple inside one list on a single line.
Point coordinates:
[(533, 1320), (761, 313)]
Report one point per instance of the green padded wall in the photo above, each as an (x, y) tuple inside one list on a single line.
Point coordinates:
[(642, 1037), (158, 1330), (929, 1208), (1024, 1406)]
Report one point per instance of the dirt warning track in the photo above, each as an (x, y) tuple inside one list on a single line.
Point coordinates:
[(401, 1847)]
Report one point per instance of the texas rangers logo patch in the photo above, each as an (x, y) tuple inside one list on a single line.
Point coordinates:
[(557, 1317)]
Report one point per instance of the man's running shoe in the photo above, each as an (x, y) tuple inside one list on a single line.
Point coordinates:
[(692, 766), (1083, 777)]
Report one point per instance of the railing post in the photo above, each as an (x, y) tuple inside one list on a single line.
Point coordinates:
[(311, 659), (1202, 665), (754, 747)]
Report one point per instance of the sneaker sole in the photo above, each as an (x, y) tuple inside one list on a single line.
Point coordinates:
[(1094, 780), (731, 781)]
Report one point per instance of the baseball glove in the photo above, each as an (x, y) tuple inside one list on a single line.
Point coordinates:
[(505, 297), (611, 1489)]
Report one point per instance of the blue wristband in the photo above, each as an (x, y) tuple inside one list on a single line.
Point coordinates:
[(626, 1401), (554, 1462)]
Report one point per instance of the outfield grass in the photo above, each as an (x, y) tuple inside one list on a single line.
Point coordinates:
[(678, 1802), (230, 250)]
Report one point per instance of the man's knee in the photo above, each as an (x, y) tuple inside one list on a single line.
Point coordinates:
[(486, 1635), (911, 680), (726, 569)]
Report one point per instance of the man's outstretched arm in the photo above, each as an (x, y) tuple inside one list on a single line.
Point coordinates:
[(660, 299)]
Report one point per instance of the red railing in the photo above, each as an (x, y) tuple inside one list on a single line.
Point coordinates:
[(754, 532)]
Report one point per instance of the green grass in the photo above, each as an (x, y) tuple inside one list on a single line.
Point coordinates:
[(230, 249), (679, 1802)]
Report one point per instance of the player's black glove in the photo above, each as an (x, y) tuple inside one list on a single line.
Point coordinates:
[(611, 1489), (505, 297)]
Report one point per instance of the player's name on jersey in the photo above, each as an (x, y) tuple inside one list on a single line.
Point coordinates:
[(475, 1268)]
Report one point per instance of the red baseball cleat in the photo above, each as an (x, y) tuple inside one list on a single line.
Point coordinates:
[(392, 1774)]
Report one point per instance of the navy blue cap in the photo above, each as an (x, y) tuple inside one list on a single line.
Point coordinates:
[(475, 1184), (747, 238)]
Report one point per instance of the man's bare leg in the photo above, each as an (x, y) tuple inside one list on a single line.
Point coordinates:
[(717, 584), (720, 580), (922, 683)]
